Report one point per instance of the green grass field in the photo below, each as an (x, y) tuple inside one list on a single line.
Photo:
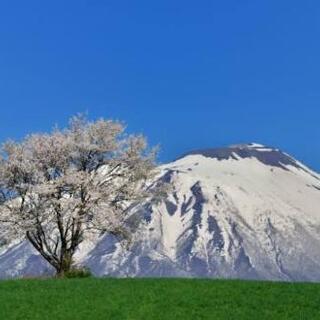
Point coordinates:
[(157, 299)]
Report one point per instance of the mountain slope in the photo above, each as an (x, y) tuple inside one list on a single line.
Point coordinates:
[(246, 211)]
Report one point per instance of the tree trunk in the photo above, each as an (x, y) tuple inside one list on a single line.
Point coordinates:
[(64, 266), (63, 261)]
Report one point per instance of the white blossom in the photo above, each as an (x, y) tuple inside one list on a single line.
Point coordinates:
[(56, 188)]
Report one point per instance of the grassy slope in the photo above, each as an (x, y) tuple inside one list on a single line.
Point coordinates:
[(157, 299)]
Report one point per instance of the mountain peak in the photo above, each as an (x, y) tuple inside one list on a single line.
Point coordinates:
[(251, 145), (267, 155)]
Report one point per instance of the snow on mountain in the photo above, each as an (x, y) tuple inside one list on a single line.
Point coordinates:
[(247, 211)]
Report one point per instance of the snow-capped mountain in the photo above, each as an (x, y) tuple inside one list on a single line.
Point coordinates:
[(245, 211)]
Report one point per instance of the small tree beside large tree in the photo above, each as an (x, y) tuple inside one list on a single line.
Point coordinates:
[(56, 188)]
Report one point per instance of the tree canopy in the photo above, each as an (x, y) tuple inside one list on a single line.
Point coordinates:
[(55, 188)]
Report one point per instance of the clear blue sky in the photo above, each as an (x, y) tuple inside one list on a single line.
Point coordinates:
[(188, 74)]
